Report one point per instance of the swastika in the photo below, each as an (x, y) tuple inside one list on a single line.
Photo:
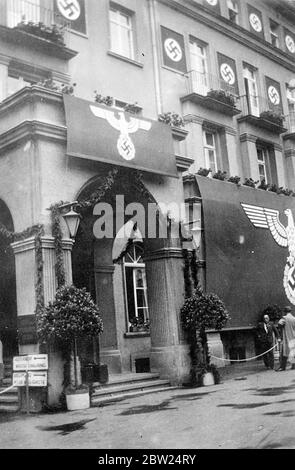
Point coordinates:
[(274, 95), (227, 74), (255, 22), (289, 281), (70, 9), (125, 147), (173, 49), (290, 43)]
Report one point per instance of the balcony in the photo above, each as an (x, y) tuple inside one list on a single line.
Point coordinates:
[(290, 124), (28, 23), (256, 110), (211, 92)]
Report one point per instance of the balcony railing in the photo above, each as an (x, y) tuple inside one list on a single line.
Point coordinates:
[(31, 17), (290, 122), (258, 111), (202, 83), (212, 92)]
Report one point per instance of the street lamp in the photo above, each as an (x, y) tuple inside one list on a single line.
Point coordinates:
[(71, 218)]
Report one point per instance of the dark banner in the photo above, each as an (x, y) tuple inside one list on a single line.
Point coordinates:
[(255, 21), (72, 11), (247, 248), (274, 96), (173, 50), (214, 5), (108, 135), (289, 39), (228, 73)]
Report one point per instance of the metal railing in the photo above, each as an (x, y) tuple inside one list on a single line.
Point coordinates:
[(256, 105), (33, 17), (290, 122), (203, 83)]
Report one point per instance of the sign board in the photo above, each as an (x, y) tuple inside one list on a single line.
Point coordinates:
[(31, 362), (35, 379)]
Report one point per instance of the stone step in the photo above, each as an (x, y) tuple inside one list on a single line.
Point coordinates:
[(9, 398), (8, 408), (114, 389), (10, 391), (127, 378), (100, 400)]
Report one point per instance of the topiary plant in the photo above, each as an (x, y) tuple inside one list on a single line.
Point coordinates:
[(200, 312), (72, 315)]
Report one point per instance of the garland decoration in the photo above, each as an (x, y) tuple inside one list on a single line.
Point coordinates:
[(187, 273), (39, 286), (57, 235), (194, 269)]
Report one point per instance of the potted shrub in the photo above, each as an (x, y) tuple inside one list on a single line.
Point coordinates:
[(200, 312), (203, 171), (219, 175), (107, 100), (222, 96), (72, 315), (171, 118), (250, 183), (273, 116), (234, 179)]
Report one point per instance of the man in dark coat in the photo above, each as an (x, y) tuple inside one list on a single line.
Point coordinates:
[(266, 332)]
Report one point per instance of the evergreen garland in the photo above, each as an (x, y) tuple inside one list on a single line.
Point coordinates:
[(57, 235), (39, 286), (187, 273), (194, 269)]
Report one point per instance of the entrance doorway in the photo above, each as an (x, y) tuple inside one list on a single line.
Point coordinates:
[(8, 308)]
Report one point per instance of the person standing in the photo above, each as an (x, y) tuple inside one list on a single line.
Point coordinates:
[(266, 332), (287, 327)]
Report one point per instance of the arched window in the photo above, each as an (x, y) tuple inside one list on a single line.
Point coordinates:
[(136, 287)]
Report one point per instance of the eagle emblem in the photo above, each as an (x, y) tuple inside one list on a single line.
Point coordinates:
[(262, 217), (125, 145)]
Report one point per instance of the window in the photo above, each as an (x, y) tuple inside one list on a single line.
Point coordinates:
[(251, 88), (22, 11), (121, 31), (135, 284), (199, 67), (210, 150), (233, 11), (274, 33), (291, 107), (262, 158)]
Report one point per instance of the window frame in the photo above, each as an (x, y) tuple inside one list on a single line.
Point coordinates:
[(132, 56), (236, 11), (263, 163), (274, 34), (207, 148), (134, 266)]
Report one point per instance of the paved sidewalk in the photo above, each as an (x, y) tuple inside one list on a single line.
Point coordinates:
[(251, 408)]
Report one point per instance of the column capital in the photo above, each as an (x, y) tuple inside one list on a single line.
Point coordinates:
[(23, 245), (164, 253), (108, 269)]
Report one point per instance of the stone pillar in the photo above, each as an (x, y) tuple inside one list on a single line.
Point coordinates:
[(3, 78), (215, 347), (290, 166), (169, 353), (109, 352), (249, 156), (280, 166)]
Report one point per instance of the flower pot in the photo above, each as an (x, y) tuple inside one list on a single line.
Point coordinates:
[(208, 379), (78, 401)]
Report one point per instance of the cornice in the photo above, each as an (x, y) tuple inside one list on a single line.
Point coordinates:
[(235, 32), (29, 94), (28, 130), (183, 163), (164, 253)]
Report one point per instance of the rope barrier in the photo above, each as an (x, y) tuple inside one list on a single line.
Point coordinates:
[(6, 389), (244, 360)]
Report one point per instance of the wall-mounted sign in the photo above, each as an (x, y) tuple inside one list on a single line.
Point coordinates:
[(173, 50), (112, 136), (255, 21), (31, 362), (274, 94), (35, 379), (214, 5), (289, 41), (228, 73), (73, 11)]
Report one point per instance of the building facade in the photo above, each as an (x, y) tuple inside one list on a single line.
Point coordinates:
[(226, 67)]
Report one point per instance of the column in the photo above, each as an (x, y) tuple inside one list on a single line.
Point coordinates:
[(249, 156), (3, 78), (169, 353), (280, 167), (290, 166), (109, 352), (215, 346)]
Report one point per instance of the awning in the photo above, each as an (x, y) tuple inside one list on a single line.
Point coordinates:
[(246, 248), (105, 134)]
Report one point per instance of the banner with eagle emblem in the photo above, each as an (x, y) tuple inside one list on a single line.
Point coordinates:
[(250, 248), (110, 135)]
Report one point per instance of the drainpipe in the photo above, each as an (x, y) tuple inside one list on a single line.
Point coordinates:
[(152, 8)]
